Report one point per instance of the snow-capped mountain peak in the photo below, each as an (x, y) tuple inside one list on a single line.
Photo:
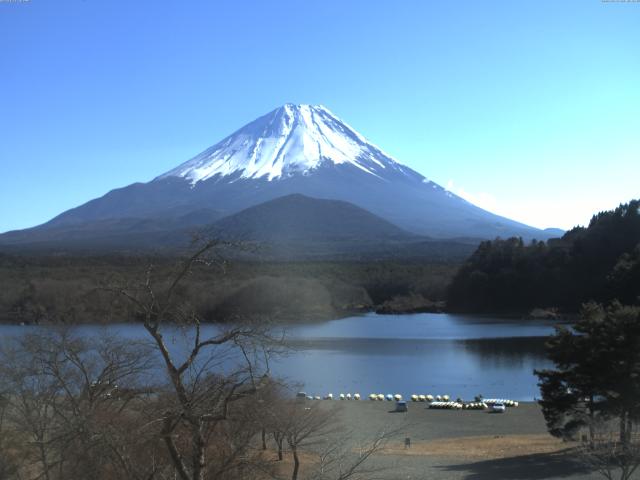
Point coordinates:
[(290, 140), (293, 150)]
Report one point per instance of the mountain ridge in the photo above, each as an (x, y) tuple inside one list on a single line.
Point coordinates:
[(293, 227), (294, 149)]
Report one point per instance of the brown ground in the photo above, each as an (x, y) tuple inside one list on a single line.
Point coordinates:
[(470, 445), (483, 447)]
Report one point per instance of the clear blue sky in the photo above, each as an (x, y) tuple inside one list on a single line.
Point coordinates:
[(531, 109)]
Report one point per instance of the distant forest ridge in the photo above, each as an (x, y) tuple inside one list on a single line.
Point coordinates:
[(600, 263)]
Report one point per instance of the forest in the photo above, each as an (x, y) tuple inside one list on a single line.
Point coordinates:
[(76, 289), (598, 263)]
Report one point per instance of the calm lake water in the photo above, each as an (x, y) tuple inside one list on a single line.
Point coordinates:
[(458, 355)]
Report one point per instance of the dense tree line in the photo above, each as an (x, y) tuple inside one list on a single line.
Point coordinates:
[(71, 289), (600, 262)]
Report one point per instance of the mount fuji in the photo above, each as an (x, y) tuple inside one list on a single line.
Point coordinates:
[(294, 149)]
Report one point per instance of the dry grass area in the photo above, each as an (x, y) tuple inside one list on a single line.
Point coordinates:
[(482, 447), (283, 468)]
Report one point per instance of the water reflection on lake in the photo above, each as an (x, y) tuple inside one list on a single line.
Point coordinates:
[(421, 353), (458, 355)]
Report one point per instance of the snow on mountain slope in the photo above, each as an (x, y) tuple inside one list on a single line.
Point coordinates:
[(292, 139), (295, 149)]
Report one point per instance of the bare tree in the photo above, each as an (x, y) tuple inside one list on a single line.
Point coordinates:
[(67, 396), (338, 461), (270, 413), (305, 427), (100, 407), (8, 464), (316, 429), (202, 385), (31, 398)]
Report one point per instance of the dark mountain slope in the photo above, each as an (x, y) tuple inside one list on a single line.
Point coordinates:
[(298, 218)]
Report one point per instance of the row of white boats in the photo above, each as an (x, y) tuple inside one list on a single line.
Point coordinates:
[(437, 401)]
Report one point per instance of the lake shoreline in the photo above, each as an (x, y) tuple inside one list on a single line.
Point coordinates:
[(316, 319), (458, 355)]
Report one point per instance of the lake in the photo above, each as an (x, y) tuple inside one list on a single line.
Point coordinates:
[(458, 355)]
